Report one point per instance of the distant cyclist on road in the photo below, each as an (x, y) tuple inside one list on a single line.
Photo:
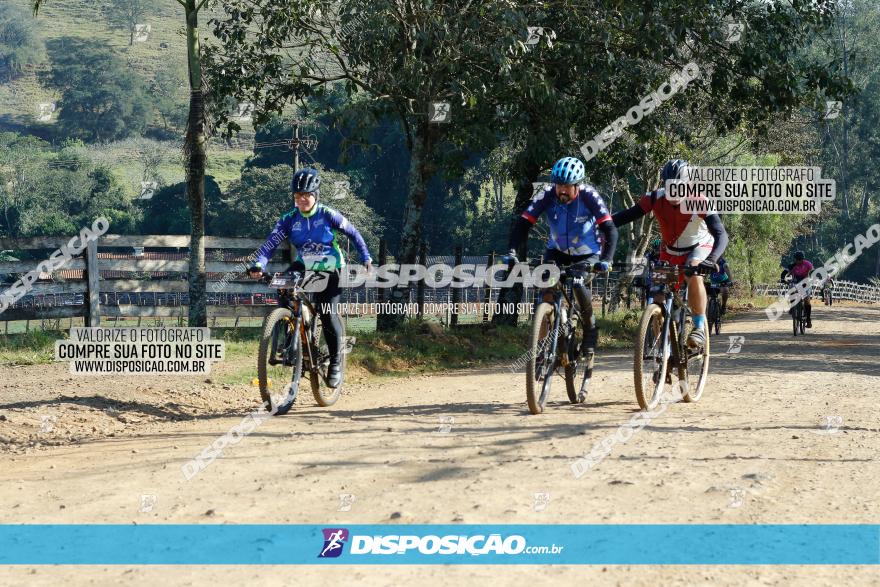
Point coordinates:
[(799, 271), (643, 281), (691, 239), (723, 278), (312, 229), (577, 215), (828, 291)]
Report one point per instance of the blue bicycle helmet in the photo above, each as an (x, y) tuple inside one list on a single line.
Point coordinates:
[(799, 256), (305, 180), (568, 171), (673, 170)]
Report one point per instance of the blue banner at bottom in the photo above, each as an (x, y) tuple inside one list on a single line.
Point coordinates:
[(776, 544)]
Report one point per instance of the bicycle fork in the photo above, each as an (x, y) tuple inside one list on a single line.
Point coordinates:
[(552, 341), (281, 342)]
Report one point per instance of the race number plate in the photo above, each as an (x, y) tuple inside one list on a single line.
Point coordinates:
[(281, 282)]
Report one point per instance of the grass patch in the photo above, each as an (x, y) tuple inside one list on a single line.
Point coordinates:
[(419, 346), (741, 304), (34, 348), (617, 329), (422, 346)]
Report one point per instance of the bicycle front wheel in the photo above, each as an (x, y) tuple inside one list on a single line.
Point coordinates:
[(279, 362), (651, 358), (716, 321), (542, 357)]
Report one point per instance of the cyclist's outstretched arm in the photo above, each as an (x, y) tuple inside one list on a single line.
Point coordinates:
[(341, 223), (716, 229), (278, 235), (520, 231), (629, 215), (609, 242), (604, 223)]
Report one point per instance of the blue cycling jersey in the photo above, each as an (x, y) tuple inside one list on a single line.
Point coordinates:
[(722, 275), (314, 237), (572, 225)]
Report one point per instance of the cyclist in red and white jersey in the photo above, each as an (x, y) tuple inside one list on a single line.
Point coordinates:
[(691, 239)]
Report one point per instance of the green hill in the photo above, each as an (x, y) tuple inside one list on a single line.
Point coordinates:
[(19, 100)]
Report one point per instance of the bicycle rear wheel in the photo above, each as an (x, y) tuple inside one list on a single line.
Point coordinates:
[(324, 395), (578, 372), (651, 359), (279, 362), (541, 363)]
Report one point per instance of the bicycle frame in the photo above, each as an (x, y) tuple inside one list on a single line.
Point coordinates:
[(293, 300), (675, 312), (562, 291)]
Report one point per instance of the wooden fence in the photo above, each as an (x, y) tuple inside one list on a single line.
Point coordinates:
[(104, 283), (843, 290), (93, 283)]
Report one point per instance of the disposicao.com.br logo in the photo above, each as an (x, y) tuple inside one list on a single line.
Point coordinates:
[(394, 544)]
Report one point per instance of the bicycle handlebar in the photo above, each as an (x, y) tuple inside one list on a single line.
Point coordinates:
[(697, 270)]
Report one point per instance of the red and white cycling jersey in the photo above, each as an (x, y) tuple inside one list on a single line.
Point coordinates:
[(680, 232)]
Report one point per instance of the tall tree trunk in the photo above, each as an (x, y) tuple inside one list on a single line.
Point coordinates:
[(420, 171), (195, 149), (863, 209), (844, 167)]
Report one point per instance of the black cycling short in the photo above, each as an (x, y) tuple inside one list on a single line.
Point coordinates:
[(327, 303), (583, 295)]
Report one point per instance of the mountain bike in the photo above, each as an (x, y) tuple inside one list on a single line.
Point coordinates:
[(554, 342), (798, 314), (828, 295), (291, 345), (661, 341), (798, 319), (713, 308)]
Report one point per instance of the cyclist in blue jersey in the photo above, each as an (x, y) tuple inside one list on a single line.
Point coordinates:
[(723, 278), (577, 215), (643, 280), (312, 229)]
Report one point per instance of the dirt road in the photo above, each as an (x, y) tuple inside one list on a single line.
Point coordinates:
[(787, 432)]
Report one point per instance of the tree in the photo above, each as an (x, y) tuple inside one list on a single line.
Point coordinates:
[(166, 212), (407, 56), (22, 167), (45, 192), (195, 150), (125, 14), (167, 89), (101, 99), (594, 61), (20, 44)]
